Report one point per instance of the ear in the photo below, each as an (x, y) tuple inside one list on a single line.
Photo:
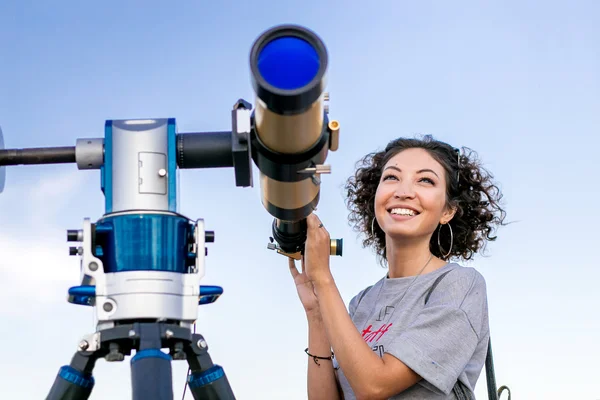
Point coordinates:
[(447, 215)]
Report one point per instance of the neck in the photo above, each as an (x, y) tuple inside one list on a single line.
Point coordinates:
[(409, 258)]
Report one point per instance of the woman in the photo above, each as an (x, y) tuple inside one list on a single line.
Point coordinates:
[(420, 332)]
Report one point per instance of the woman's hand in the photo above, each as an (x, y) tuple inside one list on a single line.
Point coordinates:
[(305, 288), (317, 251), (314, 264)]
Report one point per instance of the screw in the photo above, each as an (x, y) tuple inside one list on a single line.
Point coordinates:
[(131, 333), (202, 343), (168, 333), (83, 345), (162, 172), (178, 353), (93, 266)]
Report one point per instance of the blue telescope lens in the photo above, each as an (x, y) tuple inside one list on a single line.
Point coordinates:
[(288, 63)]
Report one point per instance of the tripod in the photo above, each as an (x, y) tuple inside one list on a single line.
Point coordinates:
[(143, 305), (150, 367)]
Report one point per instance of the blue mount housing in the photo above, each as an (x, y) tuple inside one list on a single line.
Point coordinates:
[(141, 229), (84, 294), (144, 242)]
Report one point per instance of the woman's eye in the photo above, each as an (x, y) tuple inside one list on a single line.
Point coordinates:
[(385, 178), (427, 180)]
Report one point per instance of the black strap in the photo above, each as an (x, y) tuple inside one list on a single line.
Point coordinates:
[(363, 295), (460, 390), (435, 283)]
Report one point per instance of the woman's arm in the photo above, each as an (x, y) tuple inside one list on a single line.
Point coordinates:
[(321, 378), (370, 376)]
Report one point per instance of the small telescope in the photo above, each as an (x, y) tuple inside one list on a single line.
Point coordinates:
[(292, 133)]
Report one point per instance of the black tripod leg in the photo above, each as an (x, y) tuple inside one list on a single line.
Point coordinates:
[(207, 381), (151, 376), (74, 381)]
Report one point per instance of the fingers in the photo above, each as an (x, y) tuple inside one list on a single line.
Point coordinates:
[(293, 269), (313, 223)]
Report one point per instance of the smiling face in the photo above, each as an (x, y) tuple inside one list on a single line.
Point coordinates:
[(410, 201)]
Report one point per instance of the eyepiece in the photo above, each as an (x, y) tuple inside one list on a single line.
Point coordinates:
[(336, 247)]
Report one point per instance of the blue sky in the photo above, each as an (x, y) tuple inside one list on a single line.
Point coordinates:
[(517, 81)]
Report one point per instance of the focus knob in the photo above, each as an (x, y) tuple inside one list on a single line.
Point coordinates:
[(74, 235)]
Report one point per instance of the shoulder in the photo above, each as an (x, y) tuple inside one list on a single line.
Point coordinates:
[(462, 290), (356, 299), (459, 284)]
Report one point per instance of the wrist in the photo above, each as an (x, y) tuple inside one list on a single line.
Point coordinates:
[(314, 316), (323, 282)]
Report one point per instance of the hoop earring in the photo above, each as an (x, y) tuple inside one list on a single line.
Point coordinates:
[(373, 227), (383, 258), (444, 256)]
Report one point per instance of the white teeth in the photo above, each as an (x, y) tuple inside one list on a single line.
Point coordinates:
[(403, 211)]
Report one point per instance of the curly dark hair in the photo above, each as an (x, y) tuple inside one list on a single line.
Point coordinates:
[(469, 188)]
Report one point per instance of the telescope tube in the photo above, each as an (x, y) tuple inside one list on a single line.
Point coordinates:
[(290, 136)]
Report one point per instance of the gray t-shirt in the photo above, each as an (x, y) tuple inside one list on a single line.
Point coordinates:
[(442, 341)]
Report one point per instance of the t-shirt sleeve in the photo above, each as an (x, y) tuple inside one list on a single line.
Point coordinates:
[(443, 337), (353, 305)]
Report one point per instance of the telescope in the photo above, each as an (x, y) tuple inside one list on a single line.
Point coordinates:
[(142, 262)]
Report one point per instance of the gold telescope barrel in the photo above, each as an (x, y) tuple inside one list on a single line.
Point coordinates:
[(291, 131)]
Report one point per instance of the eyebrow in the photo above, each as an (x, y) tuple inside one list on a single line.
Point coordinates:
[(418, 172)]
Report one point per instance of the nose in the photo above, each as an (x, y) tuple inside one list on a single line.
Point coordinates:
[(404, 190)]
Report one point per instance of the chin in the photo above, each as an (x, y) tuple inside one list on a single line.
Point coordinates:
[(407, 232), (403, 236)]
